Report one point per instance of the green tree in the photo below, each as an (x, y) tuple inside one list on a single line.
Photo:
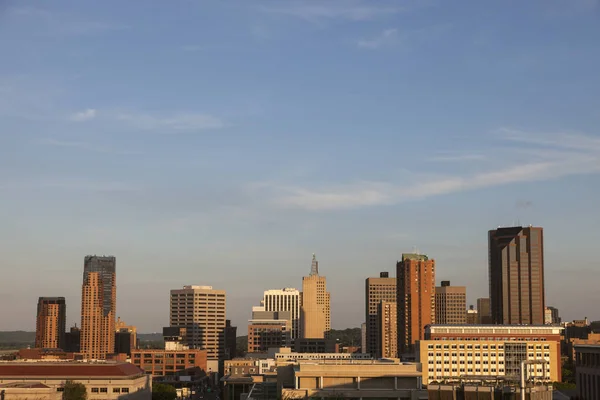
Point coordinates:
[(74, 391), (161, 391)]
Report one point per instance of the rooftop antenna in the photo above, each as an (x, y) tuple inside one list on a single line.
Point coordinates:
[(314, 268)]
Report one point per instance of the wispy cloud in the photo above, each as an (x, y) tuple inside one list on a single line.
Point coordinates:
[(456, 157), (185, 122), (348, 10), (82, 146), (84, 115), (561, 162), (386, 38), (59, 23)]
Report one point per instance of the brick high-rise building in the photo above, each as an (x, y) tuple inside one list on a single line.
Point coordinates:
[(516, 275), (387, 314), (484, 311), (377, 290), (98, 307), (50, 323), (450, 304), (315, 314), (415, 275), (201, 311)]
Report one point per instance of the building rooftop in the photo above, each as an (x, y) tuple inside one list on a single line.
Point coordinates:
[(68, 369), (23, 385), (414, 256)]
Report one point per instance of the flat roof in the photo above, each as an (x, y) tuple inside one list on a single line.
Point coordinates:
[(68, 369)]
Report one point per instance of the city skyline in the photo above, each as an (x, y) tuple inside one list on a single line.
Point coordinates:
[(241, 137)]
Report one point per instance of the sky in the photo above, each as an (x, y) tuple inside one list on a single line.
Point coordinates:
[(223, 142)]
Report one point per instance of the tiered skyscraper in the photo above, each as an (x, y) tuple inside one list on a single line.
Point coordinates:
[(50, 323), (415, 275), (377, 290), (315, 320), (516, 274), (98, 307), (201, 311)]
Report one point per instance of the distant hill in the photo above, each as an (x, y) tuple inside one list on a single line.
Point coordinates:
[(16, 339)]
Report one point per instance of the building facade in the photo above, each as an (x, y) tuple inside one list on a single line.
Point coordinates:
[(103, 380), (516, 275), (315, 316), (587, 371), (286, 299), (484, 311), (351, 379), (415, 275), (51, 323), (201, 311), (551, 316), (125, 337), (230, 340), (268, 329), (98, 307), (377, 290), (387, 328), (450, 304), (168, 362), (450, 352)]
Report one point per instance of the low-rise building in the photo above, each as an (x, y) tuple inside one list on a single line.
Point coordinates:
[(485, 391), (168, 362), (287, 357), (351, 379), (587, 367), (28, 391), (451, 352), (103, 380), (306, 345)]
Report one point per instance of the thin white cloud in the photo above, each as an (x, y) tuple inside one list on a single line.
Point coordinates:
[(184, 122), (84, 115), (59, 23), (385, 38), (318, 10), (82, 146), (557, 164), (456, 157)]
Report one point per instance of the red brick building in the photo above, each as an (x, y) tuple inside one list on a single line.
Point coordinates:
[(168, 362)]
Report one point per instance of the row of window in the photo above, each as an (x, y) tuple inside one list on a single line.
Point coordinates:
[(484, 346), (100, 390)]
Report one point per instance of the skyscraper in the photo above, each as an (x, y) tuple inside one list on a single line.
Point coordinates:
[(516, 274), (98, 307), (377, 290), (484, 311), (450, 304), (416, 298), (51, 323), (315, 319), (387, 314), (287, 299), (201, 311)]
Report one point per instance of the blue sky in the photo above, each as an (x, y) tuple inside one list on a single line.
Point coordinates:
[(223, 142)]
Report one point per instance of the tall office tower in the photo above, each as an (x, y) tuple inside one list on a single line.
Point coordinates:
[(51, 323), (98, 307), (287, 299), (387, 314), (125, 337), (268, 329), (315, 317), (377, 290), (516, 274), (73, 340), (416, 298), (230, 340), (363, 337), (484, 311), (201, 311), (551, 316), (472, 316), (450, 304)]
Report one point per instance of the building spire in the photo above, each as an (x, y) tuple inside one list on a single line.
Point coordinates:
[(314, 268)]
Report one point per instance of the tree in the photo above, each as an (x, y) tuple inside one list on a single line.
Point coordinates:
[(74, 391), (161, 391)]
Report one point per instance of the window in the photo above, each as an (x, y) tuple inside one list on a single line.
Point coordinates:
[(103, 390), (116, 390), (95, 390), (60, 389)]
